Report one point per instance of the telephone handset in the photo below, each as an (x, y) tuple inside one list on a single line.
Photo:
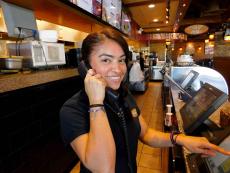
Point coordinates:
[(111, 94)]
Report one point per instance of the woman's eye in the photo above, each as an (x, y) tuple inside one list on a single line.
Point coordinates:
[(106, 60), (122, 61)]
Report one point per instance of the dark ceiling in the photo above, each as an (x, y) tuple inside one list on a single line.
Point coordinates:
[(213, 13)]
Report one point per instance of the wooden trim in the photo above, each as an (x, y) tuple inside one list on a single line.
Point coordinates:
[(165, 160), (147, 2), (222, 64)]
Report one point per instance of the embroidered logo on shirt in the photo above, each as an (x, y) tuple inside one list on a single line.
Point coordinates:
[(134, 113)]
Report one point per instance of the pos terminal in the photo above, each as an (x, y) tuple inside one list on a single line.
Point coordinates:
[(193, 114)]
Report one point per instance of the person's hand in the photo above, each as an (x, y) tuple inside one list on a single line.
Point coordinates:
[(200, 145), (95, 87)]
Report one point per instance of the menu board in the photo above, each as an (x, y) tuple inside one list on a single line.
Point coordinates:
[(86, 5), (97, 8), (125, 23), (111, 12), (168, 36)]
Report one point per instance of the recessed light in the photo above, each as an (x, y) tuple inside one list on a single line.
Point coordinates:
[(151, 5), (180, 14), (211, 36), (155, 20), (158, 29), (184, 5), (166, 21)]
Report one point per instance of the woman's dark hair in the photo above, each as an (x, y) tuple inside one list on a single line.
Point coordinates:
[(94, 39)]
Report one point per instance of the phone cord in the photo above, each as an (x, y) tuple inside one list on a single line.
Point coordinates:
[(121, 116)]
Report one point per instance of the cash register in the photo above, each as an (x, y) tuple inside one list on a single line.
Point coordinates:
[(195, 115), (218, 164)]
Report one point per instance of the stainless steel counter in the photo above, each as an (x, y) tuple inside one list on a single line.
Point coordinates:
[(155, 73)]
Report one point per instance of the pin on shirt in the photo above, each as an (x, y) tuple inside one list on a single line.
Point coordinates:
[(134, 113)]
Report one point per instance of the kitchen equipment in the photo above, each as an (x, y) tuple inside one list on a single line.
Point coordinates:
[(73, 57), (39, 54), (10, 63), (48, 35), (185, 60)]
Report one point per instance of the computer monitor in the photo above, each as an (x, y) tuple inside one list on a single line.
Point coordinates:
[(178, 86), (20, 22), (201, 106), (189, 79)]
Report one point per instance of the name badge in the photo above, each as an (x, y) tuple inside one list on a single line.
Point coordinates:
[(134, 113)]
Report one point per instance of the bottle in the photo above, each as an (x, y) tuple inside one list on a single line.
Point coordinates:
[(168, 119)]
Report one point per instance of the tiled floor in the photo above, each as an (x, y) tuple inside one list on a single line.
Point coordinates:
[(149, 159)]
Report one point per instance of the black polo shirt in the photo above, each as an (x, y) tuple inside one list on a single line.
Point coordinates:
[(74, 117)]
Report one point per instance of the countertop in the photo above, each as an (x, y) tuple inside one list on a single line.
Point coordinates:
[(178, 104), (10, 82)]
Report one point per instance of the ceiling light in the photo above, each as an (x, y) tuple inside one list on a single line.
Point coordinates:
[(151, 5), (180, 14), (155, 20), (211, 36), (167, 17), (168, 43), (166, 21), (158, 29), (184, 5), (206, 41), (227, 35), (196, 29), (167, 9), (199, 48)]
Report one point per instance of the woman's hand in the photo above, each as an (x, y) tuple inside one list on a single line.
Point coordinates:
[(200, 145), (95, 87)]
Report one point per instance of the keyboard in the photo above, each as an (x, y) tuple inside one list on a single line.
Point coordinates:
[(197, 164)]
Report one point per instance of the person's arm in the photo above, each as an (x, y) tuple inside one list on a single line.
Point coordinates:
[(96, 149), (153, 137), (193, 144)]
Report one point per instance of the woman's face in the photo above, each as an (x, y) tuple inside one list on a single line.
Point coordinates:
[(108, 59)]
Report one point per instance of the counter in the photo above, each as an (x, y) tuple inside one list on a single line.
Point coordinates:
[(30, 127), (10, 82), (178, 104)]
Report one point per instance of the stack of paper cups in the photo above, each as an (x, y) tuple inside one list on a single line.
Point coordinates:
[(169, 108)]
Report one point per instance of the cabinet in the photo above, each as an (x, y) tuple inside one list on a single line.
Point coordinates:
[(30, 129)]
